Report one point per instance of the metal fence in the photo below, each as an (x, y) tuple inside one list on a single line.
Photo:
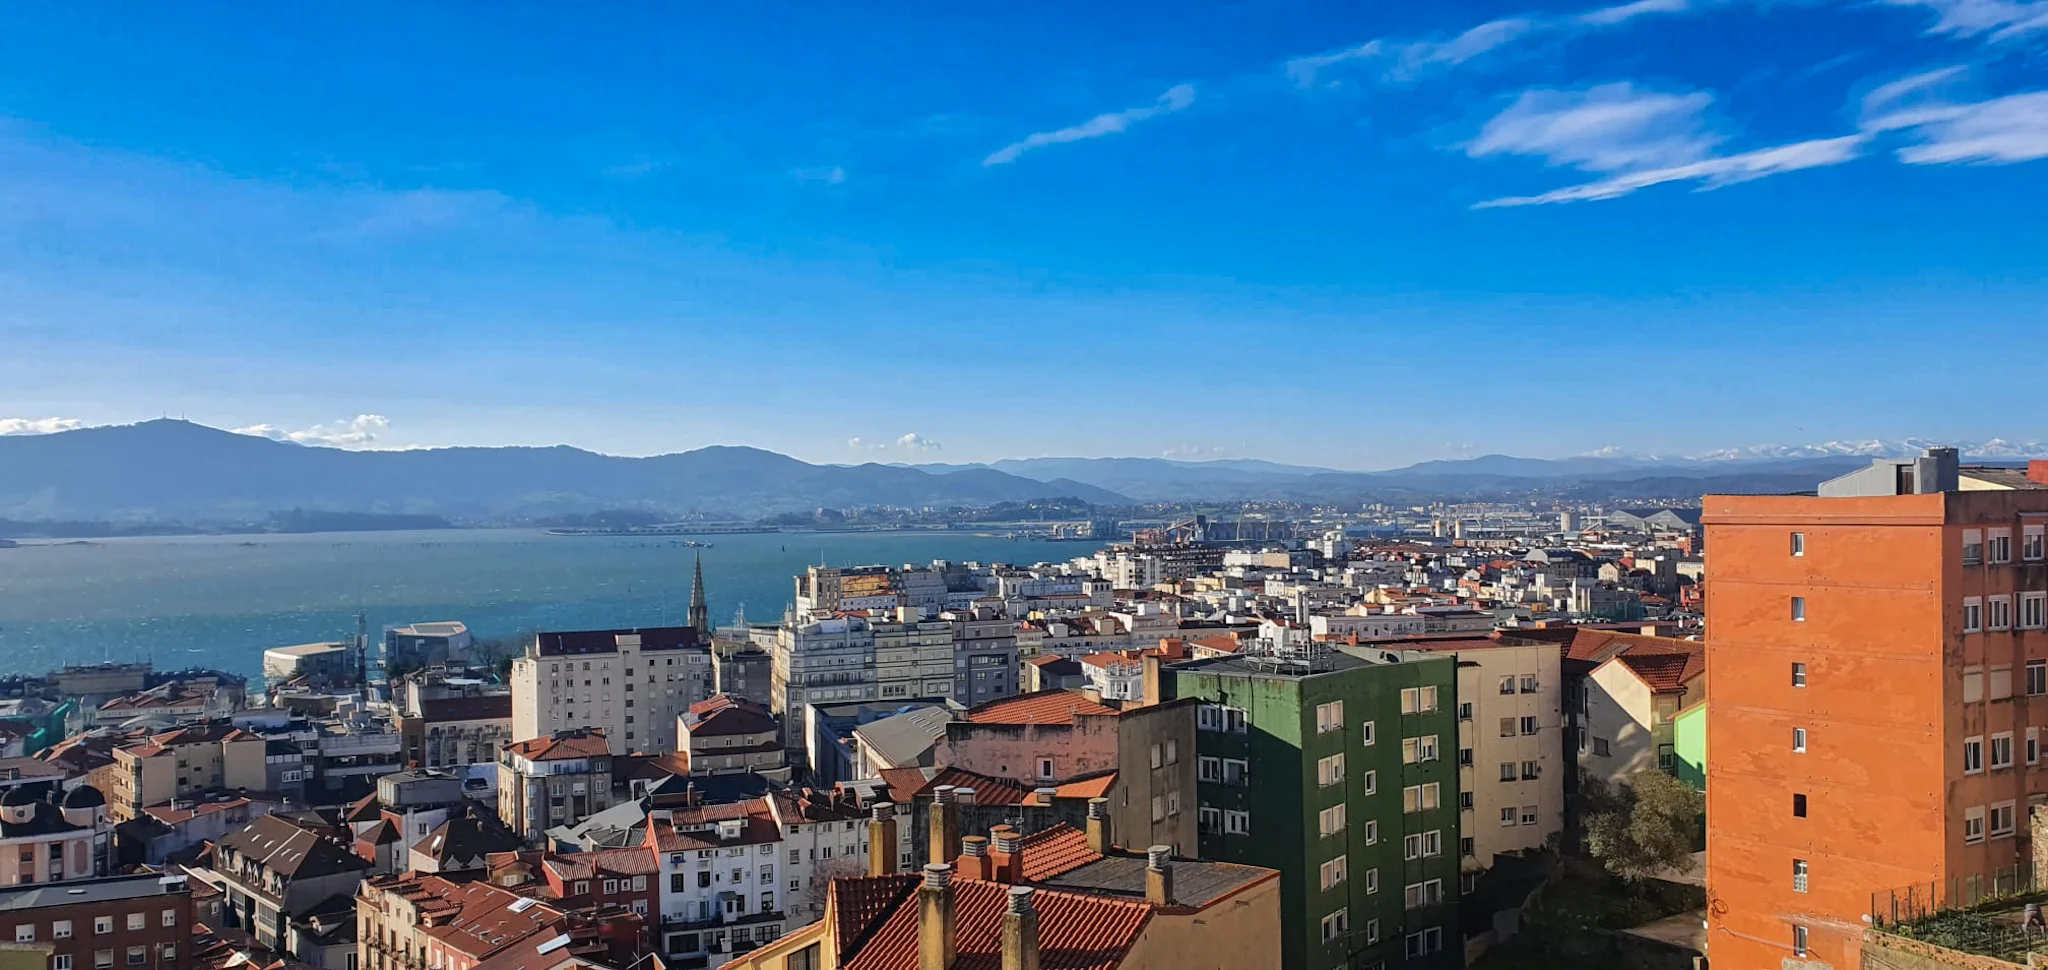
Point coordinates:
[(1983, 913)]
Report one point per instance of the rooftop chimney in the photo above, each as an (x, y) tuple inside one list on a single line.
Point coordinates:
[(882, 840), (1044, 796), (935, 919), (945, 826), (1159, 875), (1020, 931), (2037, 470), (1008, 857), (974, 859), (1098, 826)]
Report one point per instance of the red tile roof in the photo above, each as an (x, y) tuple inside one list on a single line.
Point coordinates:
[(862, 905), (1052, 851), (563, 745), (988, 790), (1043, 707), (1665, 673), (1075, 932), (1096, 787)]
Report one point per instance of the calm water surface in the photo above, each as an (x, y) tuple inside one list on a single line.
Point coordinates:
[(220, 600)]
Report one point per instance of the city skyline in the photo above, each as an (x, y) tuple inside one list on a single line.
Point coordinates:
[(1379, 238)]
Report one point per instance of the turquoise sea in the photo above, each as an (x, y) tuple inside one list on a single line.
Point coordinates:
[(218, 601)]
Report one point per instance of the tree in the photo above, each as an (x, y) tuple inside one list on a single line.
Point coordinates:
[(1644, 828)]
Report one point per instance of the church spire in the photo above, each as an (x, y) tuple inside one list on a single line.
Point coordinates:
[(700, 614)]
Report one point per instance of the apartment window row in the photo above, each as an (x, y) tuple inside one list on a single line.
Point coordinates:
[(1995, 545), (1509, 727), (2001, 818), (1222, 718), (1527, 815), (1995, 613), (1418, 700), (1421, 798), (1528, 771), (1418, 750), (1528, 684)]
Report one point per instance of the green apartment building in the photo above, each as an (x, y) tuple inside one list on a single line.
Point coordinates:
[(1340, 772)]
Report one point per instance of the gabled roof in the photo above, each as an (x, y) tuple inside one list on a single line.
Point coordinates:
[(1042, 707), (1075, 932), (470, 835), (283, 847), (1665, 673), (736, 717), (564, 745), (1049, 852), (988, 790)]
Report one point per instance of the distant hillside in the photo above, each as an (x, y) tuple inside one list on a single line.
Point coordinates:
[(164, 470)]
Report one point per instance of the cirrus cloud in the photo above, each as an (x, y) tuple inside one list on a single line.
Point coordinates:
[(1176, 98)]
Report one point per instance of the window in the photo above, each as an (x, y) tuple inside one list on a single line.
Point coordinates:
[(2037, 677), (1210, 819), (1507, 685), (1334, 872), (1420, 798), (1529, 683), (25, 933), (102, 959), (137, 921), (1799, 875), (1427, 893), (102, 925), (1372, 935), (2001, 750), (1329, 717), (1973, 755), (1045, 765), (1507, 816), (170, 917), (1798, 609), (2002, 820), (1998, 613), (1529, 815), (60, 961), (1208, 769), (1209, 717), (582, 886), (1372, 782), (1798, 805), (2030, 543), (1418, 700), (1238, 823), (1973, 825), (2001, 546), (1528, 726), (2001, 683), (1531, 770), (1507, 771), (1465, 801), (1507, 727), (1600, 749), (1973, 614), (1330, 770), (1418, 750), (1465, 711), (1336, 925), (1799, 941), (1973, 547), (1158, 760), (1365, 731), (1372, 881), (167, 952), (61, 929), (2033, 610), (2033, 745), (138, 956), (1426, 942), (1798, 543), (1235, 770), (1330, 821), (1423, 845), (1372, 831), (1798, 675), (1158, 808)]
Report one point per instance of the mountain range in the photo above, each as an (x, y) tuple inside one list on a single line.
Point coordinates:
[(179, 471)]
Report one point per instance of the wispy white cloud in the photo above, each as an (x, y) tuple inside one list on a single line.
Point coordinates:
[(1176, 98), (358, 432), (1905, 88), (2000, 131), (2003, 20), (1607, 16), (1608, 128), (830, 175), (1405, 60), (38, 425), (1709, 173)]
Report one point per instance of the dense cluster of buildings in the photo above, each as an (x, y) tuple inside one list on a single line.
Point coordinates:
[(1177, 754)]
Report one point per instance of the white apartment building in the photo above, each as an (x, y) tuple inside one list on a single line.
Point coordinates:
[(722, 880), (1510, 746), (824, 837), (631, 684), (1377, 625), (819, 659), (913, 656)]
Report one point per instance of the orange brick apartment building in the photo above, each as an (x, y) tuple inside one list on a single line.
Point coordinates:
[(1879, 653)]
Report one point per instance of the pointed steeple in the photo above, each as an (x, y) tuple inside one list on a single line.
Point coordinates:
[(700, 613)]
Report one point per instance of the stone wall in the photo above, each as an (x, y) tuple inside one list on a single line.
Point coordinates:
[(1883, 951)]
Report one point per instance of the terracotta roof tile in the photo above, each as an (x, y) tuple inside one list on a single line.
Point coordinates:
[(1075, 932), (562, 745), (1043, 707), (1664, 672), (1049, 852), (862, 904), (1096, 787)]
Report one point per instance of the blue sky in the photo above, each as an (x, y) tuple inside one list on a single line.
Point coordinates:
[(1349, 235)]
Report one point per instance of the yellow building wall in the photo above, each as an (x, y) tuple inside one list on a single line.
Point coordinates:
[(1238, 932)]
